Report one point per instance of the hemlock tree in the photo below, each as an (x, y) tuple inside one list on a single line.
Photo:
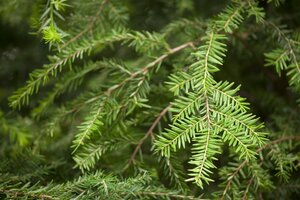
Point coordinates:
[(147, 99)]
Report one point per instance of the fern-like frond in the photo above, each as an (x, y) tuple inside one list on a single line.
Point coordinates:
[(208, 55), (186, 106), (91, 124), (244, 122), (236, 138), (70, 81), (87, 157), (223, 94), (279, 58), (40, 76), (209, 113), (146, 42), (187, 26), (181, 132), (180, 81), (230, 18), (287, 56), (256, 11), (204, 150)]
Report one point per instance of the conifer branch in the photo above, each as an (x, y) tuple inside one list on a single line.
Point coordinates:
[(235, 14), (143, 71), (149, 66), (238, 169), (206, 73), (40, 76), (204, 152), (149, 133), (90, 125), (109, 101), (249, 184), (89, 27), (287, 54)]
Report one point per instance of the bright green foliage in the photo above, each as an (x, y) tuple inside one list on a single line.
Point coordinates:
[(219, 111), (91, 124), (147, 99), (93, 186)]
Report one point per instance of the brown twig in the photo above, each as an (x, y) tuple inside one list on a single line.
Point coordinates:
[(88, 27), (143, 70), (149, 133), (149, 66), (133, 75), (282, 139), (250, 182), (247, 188)]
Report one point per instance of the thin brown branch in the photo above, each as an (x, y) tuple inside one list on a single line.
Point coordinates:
[(247, 188), (145, 69), (89, 27), (149, 66), (250, 182), (279, 140), (149, 133)]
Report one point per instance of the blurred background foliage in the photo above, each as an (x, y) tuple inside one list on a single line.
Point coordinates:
[(30, 154)]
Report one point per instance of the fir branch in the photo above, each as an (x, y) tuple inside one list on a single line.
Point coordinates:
[(19, 194), (249, 183), (149, 133), (224, 93), (202, 155), (178, 135), (89, 27), (174, 171), (184, 23), (238, 169), (243, 120), (180, 81), (90, 125), (236, 139), (185, 106), (294, 69), (40, 76), (87, 157), (68, 82), (133, 75), (149, 66), (230, 18)]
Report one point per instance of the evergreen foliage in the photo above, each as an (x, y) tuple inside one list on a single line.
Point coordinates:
[(138, 100)]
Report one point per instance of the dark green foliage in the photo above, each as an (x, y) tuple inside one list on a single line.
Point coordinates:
[(150, 100)]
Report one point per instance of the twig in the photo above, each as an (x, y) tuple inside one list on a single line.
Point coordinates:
[(247, 188), (149, 133), (150, 65), (89, 26), (133, 75), (250, 182)]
